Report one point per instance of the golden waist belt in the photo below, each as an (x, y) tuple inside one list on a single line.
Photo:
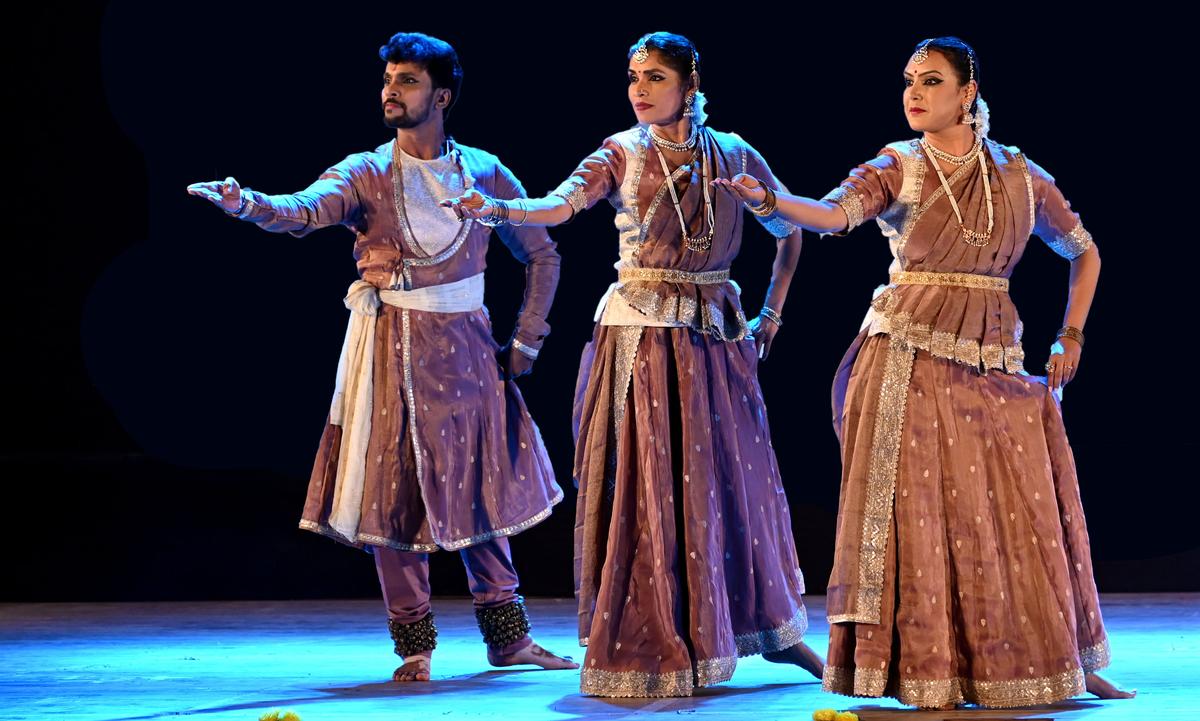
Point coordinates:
[(961, 280), (670, 275)]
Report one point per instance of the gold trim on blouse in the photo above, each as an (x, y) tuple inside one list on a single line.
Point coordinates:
[(850, 203), (1073, 244)]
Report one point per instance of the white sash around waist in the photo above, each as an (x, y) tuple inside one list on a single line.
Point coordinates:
[(353, 394)]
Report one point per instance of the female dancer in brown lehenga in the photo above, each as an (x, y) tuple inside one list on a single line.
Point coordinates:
[(684, 552), (962, 569)]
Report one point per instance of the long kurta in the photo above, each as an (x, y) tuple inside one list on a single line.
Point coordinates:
[(684, 556), (453, 457), (962, 569)]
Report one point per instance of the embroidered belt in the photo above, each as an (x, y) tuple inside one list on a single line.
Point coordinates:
[(961, 280), (671, 275)]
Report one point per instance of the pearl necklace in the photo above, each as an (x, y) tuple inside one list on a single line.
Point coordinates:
[(955, 159), (704, 242), (970, 237), (671, 144)]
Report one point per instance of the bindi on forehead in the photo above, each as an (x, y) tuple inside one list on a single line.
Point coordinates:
[(909, 73)]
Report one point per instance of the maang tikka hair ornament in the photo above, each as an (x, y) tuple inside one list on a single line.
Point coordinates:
[(922, 53), (642, 53)]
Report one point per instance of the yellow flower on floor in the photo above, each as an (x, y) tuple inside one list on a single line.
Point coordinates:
[(845, 716), (280, 716), (825, 714)]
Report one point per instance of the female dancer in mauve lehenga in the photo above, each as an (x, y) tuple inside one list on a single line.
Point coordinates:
[(962, 571), (684, 552)]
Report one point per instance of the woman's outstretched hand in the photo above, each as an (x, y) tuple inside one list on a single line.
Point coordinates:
[(227, 193), (471, 204), (747, 188)]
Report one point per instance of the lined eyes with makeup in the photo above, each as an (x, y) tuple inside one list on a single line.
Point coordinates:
[(409, 79), (925, 81), (633, 78)]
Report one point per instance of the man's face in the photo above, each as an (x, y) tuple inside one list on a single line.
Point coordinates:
[(408, 96)]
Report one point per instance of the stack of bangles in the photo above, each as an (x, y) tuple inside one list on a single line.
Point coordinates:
[(1070, 331), (772, 315), (500, 211), (1067, 331), (767, 207)]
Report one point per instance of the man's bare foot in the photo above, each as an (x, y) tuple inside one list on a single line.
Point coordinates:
[(532, 654), (415, 668), (799, 655), (1103, 688)]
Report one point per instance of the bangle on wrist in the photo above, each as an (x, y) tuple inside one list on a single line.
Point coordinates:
[(1070, 331), (767, 207), (772, 315), (527, 351), (498, 215), (524, 217)]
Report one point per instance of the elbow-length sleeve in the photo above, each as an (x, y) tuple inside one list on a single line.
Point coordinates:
[(756, 166), (333, 199), (869, 189), (1053, 220), (533, 247), (598, 176)]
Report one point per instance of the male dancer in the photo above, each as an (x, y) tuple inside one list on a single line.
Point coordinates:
[(429, 444)]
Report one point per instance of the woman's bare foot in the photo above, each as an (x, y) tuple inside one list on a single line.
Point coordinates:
[(799, 655), (415, 668), (532, 654), (1103, 688)]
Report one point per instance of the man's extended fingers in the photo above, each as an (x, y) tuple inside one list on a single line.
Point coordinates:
[(201, 191)]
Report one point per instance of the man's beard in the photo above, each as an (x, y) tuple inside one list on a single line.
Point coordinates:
[(406, 119)]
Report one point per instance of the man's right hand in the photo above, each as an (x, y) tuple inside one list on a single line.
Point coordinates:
[(227, 194)]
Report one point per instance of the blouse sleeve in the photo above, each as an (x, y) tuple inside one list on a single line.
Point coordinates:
[(332, 199), (869, 190), (598, 176), (756, 165), (1054, 222)]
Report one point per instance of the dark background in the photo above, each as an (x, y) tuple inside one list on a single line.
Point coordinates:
[(169, 370)]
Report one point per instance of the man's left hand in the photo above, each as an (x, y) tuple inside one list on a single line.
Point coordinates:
[(516, 363)]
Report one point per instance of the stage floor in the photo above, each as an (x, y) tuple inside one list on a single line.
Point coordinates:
[(331, 660)]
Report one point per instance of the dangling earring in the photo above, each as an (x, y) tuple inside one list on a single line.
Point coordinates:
[(967, 118), (688, 105)]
